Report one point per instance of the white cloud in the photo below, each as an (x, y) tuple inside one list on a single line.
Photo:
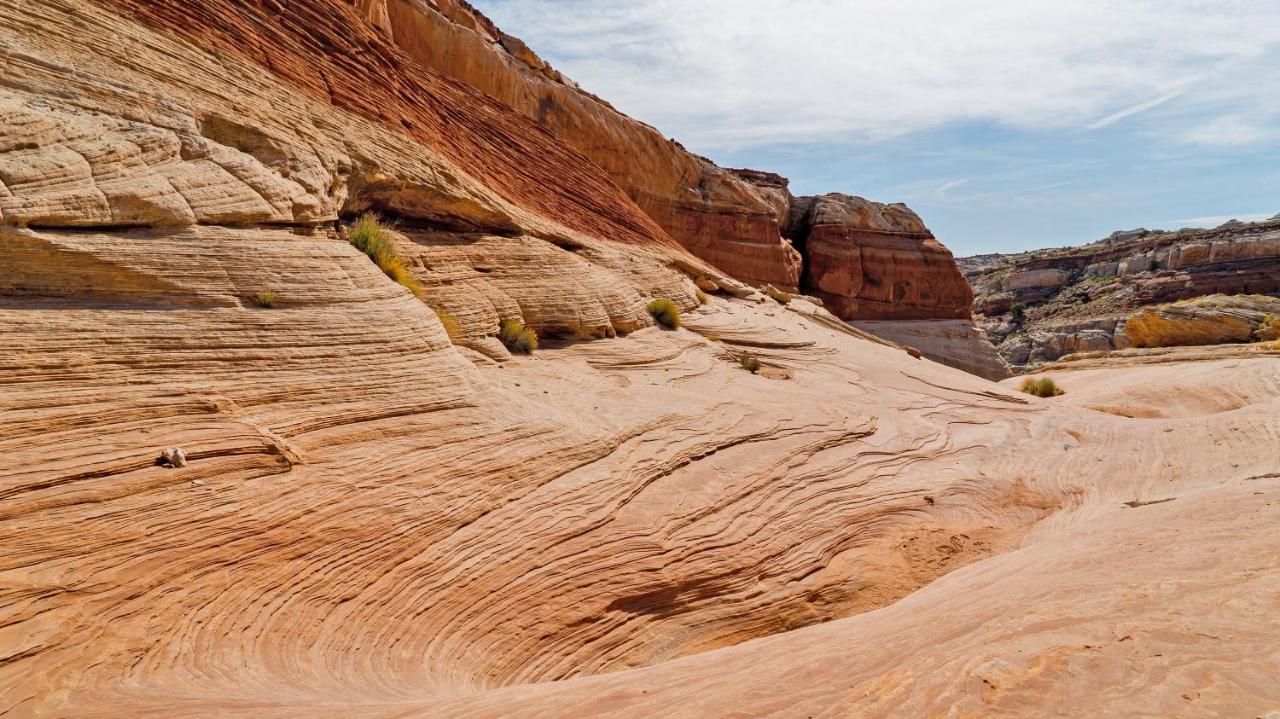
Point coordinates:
[(723, 74), (1226, 131)]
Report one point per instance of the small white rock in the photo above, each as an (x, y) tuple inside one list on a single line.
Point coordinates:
[(173, 457)]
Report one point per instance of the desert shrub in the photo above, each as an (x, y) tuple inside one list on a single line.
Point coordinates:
[(749, 362), (1267, 323), (451, 326), (517, 338), (370, 237), (265, 298), (702, 297), (1019, 311), (1103, 279), (1041, 387), (665, 313)]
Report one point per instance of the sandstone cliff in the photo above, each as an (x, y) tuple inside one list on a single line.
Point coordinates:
[(707, 209), (1040, 306)]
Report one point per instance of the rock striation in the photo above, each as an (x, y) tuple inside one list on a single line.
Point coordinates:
[(870, 261)]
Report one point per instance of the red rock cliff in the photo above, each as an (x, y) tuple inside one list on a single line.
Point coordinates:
[(709, 210), (869, 261)]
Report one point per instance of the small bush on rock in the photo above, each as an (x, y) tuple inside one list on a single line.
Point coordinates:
[(370, 237), (665, 313), (1041, 387), (702, 297), (265, 299), (749, 362), (451, 326), (517, 338)]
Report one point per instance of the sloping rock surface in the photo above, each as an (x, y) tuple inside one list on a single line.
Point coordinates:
[(367, 520)]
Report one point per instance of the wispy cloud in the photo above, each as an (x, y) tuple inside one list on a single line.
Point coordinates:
[(1215, 220), (1138, 109), (726, 74)]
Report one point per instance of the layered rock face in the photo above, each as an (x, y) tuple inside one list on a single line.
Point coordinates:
[(709, 210), (1041, 306), (870, 261)]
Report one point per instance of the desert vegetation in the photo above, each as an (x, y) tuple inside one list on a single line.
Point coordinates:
[(665, 313), (370, 236), (702, 297), (749, 362), (1041, 387), (451, 326), (517, 338), (265, 299)]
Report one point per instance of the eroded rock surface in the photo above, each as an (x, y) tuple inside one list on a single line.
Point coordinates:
[(373, 521)]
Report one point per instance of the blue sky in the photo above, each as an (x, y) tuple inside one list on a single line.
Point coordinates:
[(1007, 124)]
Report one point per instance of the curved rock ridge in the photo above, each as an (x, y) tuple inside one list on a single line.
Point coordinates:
[(329, 53), (707, 209)]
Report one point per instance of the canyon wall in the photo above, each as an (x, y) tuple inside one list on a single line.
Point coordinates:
[(867, 261), (1043, 305)]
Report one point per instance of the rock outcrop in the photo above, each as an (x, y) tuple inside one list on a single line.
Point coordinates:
[(1040, 306), (1217, 319), (870, 261)]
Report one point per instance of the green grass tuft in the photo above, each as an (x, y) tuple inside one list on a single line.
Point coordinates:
[(749, 362), (1041, 387), (370, 236), (265, 299), (517, 338), (665, 313)]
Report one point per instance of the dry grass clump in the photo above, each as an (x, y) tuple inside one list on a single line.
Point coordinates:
[(749, 362), (517, 338), (665, 313), (370, 237), (451, 326), (1041, 387), (702, 297), (265, 299)]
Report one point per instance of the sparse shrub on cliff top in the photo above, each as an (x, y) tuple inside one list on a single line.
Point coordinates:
[(265, 299), (370, 237), (665, 313), (518, 338), (749, 362), (1041, 387)]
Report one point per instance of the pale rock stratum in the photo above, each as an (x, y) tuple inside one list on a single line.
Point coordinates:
[(373, 521)]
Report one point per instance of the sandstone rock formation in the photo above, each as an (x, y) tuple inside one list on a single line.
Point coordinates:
[(1040, 306), (373, 521), (1217, 319), (869, 261)]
